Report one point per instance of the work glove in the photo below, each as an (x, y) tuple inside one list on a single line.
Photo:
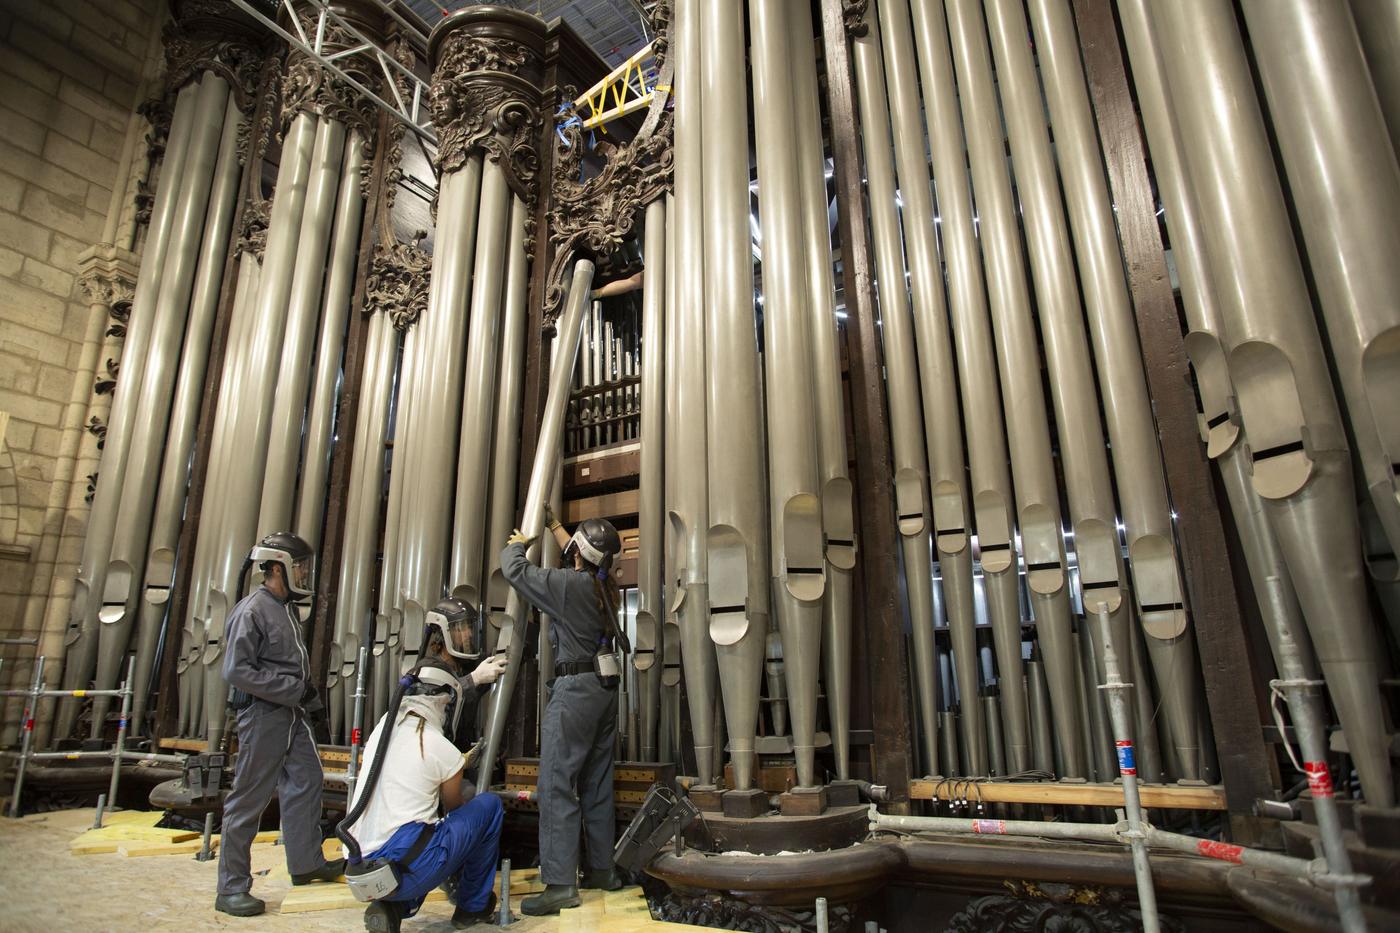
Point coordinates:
[(310, 699), (550, 521), (473, 754), (489, 670), (520, 537)]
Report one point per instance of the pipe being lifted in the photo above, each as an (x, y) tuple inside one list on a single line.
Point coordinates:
[(81, 639), (737, 537), (1301, 464), (902, 382), (480, 387), (798, 562), (669, 732), (943, 435), (1345, 183), (838, 518), (1378, 24), (548, 453), (1023, 398), (157, 387), (648, 656), (689, 511), (1137, 460), (1067, 351), (250, 418)]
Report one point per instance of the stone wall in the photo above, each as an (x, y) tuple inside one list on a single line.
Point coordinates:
[(72, 73)]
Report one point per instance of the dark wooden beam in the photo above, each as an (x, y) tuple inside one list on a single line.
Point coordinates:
[(168, 700), (1246, 767), (878, 591)]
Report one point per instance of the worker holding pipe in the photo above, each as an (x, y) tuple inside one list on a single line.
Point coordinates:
[(416, 770), (267, 667), (580, 720)]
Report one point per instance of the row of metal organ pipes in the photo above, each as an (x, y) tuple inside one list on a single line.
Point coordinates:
[(1022, 513)]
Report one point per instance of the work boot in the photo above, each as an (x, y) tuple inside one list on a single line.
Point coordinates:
[(330, 871), (384, 916), (601, 879), (463, 918), (554, 898), (239, 905)]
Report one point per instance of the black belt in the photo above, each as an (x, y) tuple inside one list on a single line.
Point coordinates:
[(567, 668), (425, 836)]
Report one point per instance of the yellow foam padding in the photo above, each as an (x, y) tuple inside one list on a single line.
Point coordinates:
[(145, 849), (110, 838)]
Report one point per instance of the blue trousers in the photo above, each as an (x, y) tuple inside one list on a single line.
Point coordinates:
[(466, 844)]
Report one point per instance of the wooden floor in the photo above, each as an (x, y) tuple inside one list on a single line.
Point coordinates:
[(56, 873)]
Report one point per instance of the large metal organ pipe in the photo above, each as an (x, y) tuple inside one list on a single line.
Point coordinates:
[(1301, 464), (799, 571), (902, 378), (1132, 435), (942, 418), (1023, 399), (689, 511), (81, 640), (649, 656), (838, 520)]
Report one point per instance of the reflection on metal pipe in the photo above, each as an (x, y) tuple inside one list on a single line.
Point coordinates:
[(948, 743), (1301, 465), (1091, 662), (184, 415), (80, 641), (1137, 461), (252, 407), (1038, 695), (480, 388), (996, 749), (1023, 398), (689, 511), (737, 537), (1378, 24), (548, 452), (1345, 184), (798, 562), (902, 384), (838, 519), (648, 655), (942, 419)]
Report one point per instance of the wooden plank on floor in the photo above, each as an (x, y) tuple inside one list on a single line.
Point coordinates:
[(1164, 796)]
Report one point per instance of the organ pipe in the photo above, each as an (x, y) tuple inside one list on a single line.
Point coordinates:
[(649, 654)]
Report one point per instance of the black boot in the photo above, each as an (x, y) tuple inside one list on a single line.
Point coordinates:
[(554, 898), (463, 918), (239, 905), (330, 871), (601, 879), (384, 916)]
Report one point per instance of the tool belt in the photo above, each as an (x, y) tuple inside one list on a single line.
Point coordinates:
[(569, 668)]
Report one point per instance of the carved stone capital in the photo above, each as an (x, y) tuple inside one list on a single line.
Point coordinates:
[(214, 35), (488, 63), (107, 275), (252, 235), (397, 283)]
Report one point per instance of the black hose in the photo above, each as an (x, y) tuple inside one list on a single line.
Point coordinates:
[(371, 778)]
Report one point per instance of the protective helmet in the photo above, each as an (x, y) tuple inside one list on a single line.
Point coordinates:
[(460, 626), (597, 540), (296, 557), (433, 679)]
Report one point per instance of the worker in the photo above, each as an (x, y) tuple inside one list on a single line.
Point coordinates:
[(266, 665), (580, 719), (422, 774)]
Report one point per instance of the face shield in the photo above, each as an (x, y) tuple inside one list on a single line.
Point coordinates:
[(301, 576), (460, 627), (299, 571)]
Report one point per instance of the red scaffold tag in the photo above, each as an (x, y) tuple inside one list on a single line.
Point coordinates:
[(1319, 778), (1221, 850), (1127, 762), (523, 796), (989, 827), (29, 725), (355, 737)]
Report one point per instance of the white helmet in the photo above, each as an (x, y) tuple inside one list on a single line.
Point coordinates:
[(296, 557)]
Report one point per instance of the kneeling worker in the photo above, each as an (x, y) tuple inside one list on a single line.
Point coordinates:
[(265, 663), (421, 772), (580, 720)]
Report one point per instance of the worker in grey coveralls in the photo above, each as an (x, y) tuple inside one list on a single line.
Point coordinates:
[(267, 667), (580, 720)]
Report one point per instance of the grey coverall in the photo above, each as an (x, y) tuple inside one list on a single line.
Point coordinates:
[(265, 658), (580, 722)]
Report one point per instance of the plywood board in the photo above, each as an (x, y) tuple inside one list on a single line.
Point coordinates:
[(1164, 796)]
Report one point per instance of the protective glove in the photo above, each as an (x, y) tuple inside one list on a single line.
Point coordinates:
[(473, 754), (520, 537), (550, 522), (310, 699), (489, 670)]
